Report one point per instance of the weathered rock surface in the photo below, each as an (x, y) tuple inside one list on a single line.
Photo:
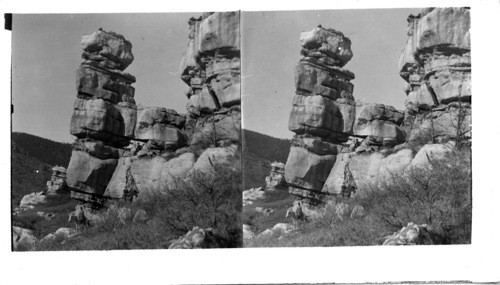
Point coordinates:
[(152, 175), (305, 169), (89, 174), (57, 183), (22, 238), (329, 42), (314, 115), (109, 49), (32, 199), (413, 234), (276, 179), (197, 238), (436, 64), (252, 194)]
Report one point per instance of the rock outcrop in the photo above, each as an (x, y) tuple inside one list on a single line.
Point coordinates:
[(323, 111), (328, 123), (436, 65), (197, 238), (130, 152), (276, 179), (413, 234), (104, 115), (344, 148), (57, 183)]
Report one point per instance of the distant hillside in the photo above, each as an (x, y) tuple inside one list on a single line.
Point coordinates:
[(259, 151), (28, 174), (32, 161), (50, 152), (266, 147)]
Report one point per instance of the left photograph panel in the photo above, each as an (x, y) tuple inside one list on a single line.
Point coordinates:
[(126, 131)]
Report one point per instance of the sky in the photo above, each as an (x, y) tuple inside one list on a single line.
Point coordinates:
[(46, 53)]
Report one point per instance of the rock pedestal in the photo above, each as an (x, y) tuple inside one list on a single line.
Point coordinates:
[(104, 115), (323, 111)]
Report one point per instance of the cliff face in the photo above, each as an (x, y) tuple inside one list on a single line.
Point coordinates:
[(343, 147), (130, 152), (436, 65)]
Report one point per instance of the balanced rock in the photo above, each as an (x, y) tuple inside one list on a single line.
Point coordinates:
[(321, 42), (109, 49)]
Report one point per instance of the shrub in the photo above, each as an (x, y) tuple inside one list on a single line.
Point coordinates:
[(207, 200), (439, 195)]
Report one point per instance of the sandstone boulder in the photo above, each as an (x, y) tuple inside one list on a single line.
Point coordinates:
[(305, 169), (370, 112), (112, 50), (152, 175), (217, 31), (252, 194), (227, 88), (319, 81), (450, 86), (102, 84), (197, 238), (444, 27), (413, 234), (219, 129), (202, 101), (89, 174), (388, 131), (22, 238), (34, 198), (314, 115), (433, 152), (98, 119), (328, 42)]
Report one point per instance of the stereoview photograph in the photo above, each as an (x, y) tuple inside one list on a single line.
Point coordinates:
[(166, 174), (351, 128), (357, 127)]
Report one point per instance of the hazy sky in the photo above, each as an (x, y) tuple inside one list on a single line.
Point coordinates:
[(272, 49), (46, 53)]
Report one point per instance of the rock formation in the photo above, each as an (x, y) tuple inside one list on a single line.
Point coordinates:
[(343, 147), (413, 234), (276, 179), (104, 114), (57, 183), (128, 151), (436, 65)]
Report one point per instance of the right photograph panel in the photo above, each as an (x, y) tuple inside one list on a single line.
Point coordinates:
[(356, 127)]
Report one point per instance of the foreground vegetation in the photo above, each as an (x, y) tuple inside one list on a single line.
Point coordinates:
[(205, 201), (439, 196)]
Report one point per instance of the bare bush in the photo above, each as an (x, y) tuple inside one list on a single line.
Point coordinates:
[(439, 196)]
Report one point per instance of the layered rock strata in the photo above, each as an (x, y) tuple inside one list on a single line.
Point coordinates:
[(276, 179), (104, 113), (211, 69), (57, 183), (323, 111), (436, 65)]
